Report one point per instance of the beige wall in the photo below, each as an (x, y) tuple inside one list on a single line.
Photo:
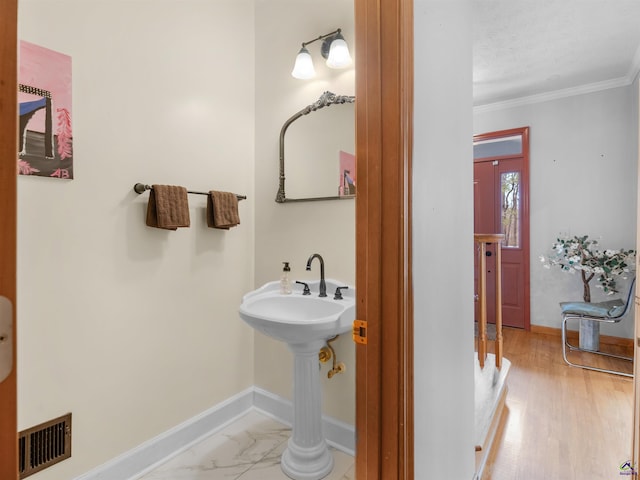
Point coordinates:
[(134, 329), (292, 232)]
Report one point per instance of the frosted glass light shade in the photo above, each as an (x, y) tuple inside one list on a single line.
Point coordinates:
[(303, 68), (339, 56)]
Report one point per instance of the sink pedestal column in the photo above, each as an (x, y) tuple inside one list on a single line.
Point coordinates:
[(307, 456)]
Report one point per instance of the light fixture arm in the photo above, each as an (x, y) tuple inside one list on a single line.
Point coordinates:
[(321, 37)]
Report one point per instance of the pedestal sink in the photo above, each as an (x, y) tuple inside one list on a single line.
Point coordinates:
[(304, 323)]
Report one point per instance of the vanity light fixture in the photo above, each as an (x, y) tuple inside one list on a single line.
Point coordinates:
[(334, 49)]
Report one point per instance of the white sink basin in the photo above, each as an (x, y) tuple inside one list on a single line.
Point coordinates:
[(305, 323), (298, 318)]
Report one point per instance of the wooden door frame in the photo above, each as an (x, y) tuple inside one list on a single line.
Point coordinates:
[(8, 180), (384, 376)]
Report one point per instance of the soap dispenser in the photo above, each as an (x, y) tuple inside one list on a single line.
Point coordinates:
[(285, 282)]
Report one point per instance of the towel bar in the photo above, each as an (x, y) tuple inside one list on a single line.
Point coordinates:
[(141, 188)]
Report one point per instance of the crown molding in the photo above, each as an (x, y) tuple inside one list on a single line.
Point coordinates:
[(634, 68), (565, 92)]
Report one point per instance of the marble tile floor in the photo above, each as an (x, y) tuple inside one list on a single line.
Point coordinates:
[(247, 449)]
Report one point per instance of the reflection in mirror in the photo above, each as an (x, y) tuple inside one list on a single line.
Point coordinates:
[(320, 151)]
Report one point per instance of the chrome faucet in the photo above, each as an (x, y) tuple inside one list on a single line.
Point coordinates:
[(323, 285)]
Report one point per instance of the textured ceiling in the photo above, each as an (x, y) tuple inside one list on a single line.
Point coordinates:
[(524, 48)]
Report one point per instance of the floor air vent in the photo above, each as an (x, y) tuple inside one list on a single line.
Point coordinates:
[(44, 445)]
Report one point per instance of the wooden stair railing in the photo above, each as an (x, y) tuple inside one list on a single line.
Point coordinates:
[(483, 240)]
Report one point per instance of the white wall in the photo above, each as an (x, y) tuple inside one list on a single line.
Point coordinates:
[(442, 241), (583, 164), (292, 232), (135, 329)]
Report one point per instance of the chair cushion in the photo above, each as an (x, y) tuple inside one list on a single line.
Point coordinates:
[(608, 309)]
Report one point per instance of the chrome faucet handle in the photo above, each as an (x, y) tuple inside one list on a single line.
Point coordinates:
[(338, 294), (305, 290)]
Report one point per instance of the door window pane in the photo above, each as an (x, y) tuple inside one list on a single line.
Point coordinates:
[(498, 147), (510, 208)]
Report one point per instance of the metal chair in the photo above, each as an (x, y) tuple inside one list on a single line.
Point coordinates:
[(610, 311)]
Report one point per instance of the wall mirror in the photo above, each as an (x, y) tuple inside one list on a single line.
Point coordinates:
[(318, 143)]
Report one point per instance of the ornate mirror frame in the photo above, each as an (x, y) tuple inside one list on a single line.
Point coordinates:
[(326, 100)]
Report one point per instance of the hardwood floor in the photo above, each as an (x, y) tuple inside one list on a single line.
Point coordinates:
[(561, 422)]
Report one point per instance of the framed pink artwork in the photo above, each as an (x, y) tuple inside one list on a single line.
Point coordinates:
[(44, 101)]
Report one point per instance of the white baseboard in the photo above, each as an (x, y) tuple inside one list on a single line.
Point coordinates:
[(140, 460), (145, 457)]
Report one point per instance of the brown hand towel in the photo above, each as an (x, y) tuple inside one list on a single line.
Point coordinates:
[(168, 207), (222, 210)]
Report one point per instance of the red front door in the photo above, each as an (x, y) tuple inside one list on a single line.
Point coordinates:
[(501, 200)]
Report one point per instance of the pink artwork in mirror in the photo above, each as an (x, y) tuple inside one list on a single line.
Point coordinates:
[(347, 183)]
